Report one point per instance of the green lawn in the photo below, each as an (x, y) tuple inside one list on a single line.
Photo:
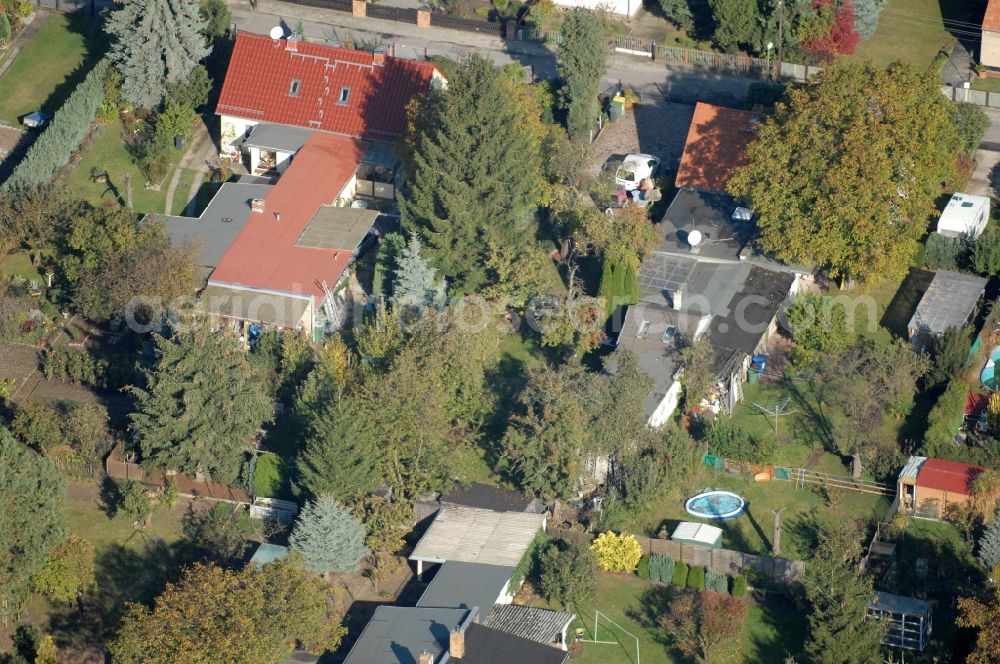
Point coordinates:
[(988, 84), (130, 565), (107, 153), (913, 30), (770, 633), (49, 66), (19, 263)]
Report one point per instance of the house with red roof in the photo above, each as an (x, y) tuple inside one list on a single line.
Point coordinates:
[(316, 126), (927, 486)]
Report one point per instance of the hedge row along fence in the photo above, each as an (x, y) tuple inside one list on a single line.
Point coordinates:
[(70, 124)]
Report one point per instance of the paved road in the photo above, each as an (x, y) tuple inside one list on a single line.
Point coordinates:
[(680, 83)]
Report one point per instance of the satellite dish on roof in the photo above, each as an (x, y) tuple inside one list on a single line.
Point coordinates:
[(277, 32), (694, 238)]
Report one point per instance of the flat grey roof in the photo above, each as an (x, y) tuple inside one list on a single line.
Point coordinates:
[(471, 535), (712, 215), (253, 306), (948, 302), (467, 585), (910, 606), (398, 634), (220, 222), (341, 228), (277, 137), (707, 286), (528, 622)]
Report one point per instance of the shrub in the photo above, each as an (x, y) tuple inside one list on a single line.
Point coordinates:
[(527, 567), (569, 575), (56, 144), (716, 581), (680, 575), (661, 568), (730, 441), (642, 571), (946, 253), (616, 553), (764, 93), (739, 586), (945, 418), (696, 578)]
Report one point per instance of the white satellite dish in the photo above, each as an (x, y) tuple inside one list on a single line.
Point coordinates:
[(694, 238), (277, 32)]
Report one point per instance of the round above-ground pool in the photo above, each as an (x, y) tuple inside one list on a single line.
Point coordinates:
[(716, 505), (988, 375)]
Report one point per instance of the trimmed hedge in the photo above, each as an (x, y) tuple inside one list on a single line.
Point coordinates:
[(945, 418), (696, 578), (716, 581), (67, 129), (680, 575), (740, 586), (661, 568), (642, 571)]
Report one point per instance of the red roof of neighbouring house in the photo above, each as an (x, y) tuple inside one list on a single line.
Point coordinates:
[(948, 476), (259, 86), (991, 21), (264, 255), (716, 146), (975, 403)]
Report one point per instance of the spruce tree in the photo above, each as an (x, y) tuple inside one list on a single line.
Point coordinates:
[(201, 406), (582, 58), (328, 536), (839, 631), (989, 544), (340, 452), (416, 284), (474, 174), (156, 43)]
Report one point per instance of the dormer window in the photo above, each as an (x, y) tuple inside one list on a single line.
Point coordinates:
[(293, 89), (344, 94), (643, 329)]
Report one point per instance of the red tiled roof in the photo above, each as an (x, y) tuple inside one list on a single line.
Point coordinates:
[(975, 403), (716, 146), (264, 255), (991, 21), (261, 70), (948, 476)]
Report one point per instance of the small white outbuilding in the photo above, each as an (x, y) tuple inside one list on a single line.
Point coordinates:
[(965, 215)]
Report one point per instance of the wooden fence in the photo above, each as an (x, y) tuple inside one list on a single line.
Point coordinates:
[(803, 476), (724, 561), (187, 486)]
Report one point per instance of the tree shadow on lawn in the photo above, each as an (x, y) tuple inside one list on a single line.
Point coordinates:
[(653, 603), (123, 574), (815, 426), (95, 42), (787, 620)]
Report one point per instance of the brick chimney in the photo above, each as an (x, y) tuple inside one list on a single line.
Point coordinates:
[(456, 643), (378, 57), (426, 658), (292, 43)]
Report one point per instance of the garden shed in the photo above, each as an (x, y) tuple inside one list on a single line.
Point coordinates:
[(690, 532), (928, 486), (909, 620), (951, 300)]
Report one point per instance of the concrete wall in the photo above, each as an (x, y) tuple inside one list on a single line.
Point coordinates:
[(667, 406), (990, 49)]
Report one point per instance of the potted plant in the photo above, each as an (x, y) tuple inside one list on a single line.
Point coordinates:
[(981, 70)]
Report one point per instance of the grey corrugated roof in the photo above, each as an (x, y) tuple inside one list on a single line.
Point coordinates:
[(485, 645), (335, 227), (528, 622), (948, 302), (221, 221), (473, 535), (250, 305), (658, 358), (466, 586), (277, 137), (398, 634), (911, 606)]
